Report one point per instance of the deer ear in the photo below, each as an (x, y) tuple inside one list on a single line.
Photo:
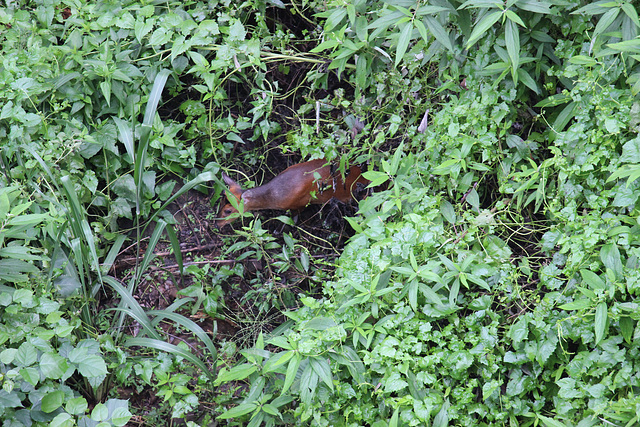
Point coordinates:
[(228, 180), (234, 187)]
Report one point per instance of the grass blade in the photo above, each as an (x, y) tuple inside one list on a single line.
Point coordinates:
[(172, 349)]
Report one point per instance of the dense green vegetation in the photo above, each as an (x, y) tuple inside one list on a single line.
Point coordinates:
[(493, 282)]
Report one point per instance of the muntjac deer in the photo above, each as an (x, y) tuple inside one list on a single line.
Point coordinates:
[(313, 182)]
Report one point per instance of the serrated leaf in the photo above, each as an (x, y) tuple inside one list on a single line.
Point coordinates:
[(605, 21), (519, 331)]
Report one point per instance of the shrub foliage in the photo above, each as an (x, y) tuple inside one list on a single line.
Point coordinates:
[(494, 280)]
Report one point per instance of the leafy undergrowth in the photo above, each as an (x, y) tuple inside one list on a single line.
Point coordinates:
[(439, 315), (493, 282)]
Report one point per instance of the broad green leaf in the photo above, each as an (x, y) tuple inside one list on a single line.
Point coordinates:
[(160, 36), (534, 6), (351, 12), (631, 46), (600, 321), (271, 410), (335, 18), (583, 60), (292, 370), (519, 331), (321, 367), (53, 365), (605, 21), (91, 365), (9, 400), (52, 401), (513, 17), (579, 305), (563, 118), (5, 204), (478, 4), (393, 422), (512, 40), (382, 23), (610, 256), (320, 323), (105, 88), (239, 372), (442, 417), (238, 411), (587, 292), (376, 177), (550, 422), (76, 406), (554, 100), (627, 325), (277, 360), (26, 355), (142, 28), (403, 41), (422, 30), (308, 384), (120, 416), (27, 219), (447, 211), (635, 89), (438, 32), (595, 8), (592, 279), (237, 32), (30, 375), (432, 10), (528, 80), (631, 151), (100, 412), (473, 199), (63, 420), (481, 27), (281, 342), (542, 37), (15, 270), (630, 10), (362, 71)]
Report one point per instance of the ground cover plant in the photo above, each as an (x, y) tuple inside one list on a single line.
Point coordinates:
[(491, 280)]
